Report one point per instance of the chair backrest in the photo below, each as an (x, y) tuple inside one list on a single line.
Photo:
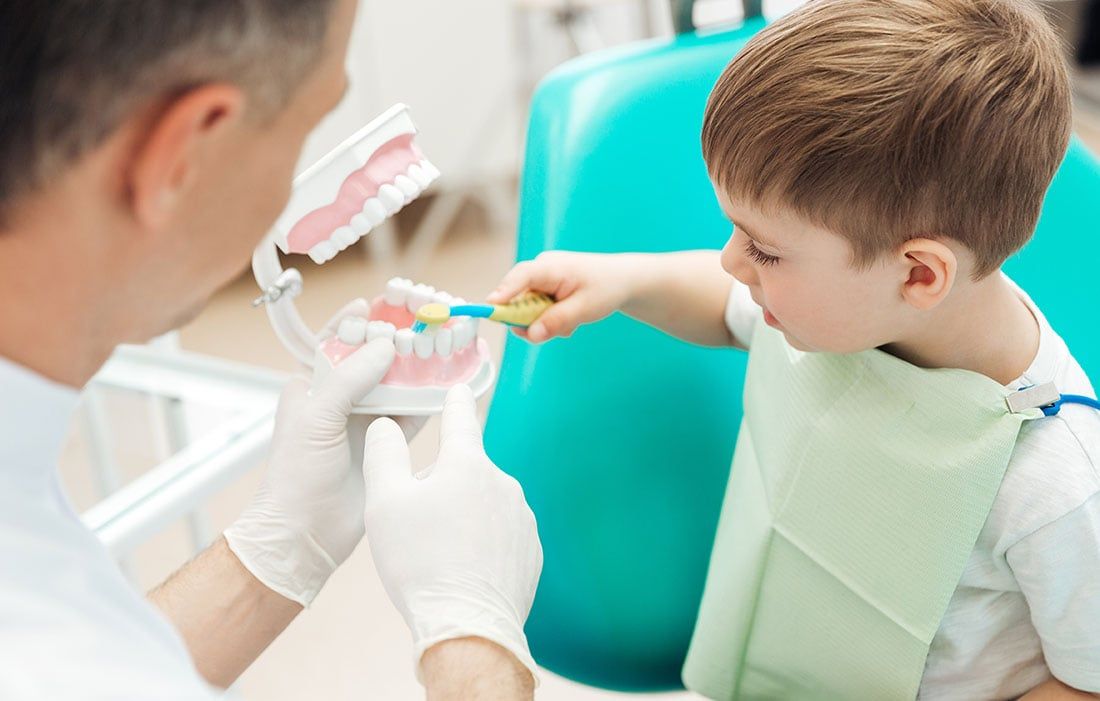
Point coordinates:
[(1058, 267), (621, 436)]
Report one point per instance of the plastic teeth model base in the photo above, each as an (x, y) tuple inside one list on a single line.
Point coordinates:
[(426, 364), (335, 202)]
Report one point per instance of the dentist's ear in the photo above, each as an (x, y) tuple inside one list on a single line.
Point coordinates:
[(176, 139), (930, 270)]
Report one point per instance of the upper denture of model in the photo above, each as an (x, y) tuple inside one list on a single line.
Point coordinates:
[(395, 174), (441, 357)]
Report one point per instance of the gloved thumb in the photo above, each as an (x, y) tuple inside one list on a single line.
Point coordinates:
[(386, 461), (460, 428), (355, 376), (292, 399)]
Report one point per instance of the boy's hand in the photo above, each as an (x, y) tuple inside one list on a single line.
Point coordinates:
[(587, 286)]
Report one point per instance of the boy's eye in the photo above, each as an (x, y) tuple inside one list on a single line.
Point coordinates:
[(757, 255)]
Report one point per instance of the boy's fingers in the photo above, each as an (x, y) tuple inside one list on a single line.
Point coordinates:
[(513, 282), (562, 319), (528, 275)]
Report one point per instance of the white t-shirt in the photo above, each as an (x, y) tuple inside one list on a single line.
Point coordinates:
[(1028, 603), (71, 627)]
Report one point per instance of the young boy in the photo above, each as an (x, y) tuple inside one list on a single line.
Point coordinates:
[(900, 520)]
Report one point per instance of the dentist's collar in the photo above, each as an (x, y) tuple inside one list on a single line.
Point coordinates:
[(35, 414)]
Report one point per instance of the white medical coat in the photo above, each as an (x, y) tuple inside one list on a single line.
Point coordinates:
[(71, 627)]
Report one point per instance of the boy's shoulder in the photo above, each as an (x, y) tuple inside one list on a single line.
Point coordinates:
[(1055, 467)]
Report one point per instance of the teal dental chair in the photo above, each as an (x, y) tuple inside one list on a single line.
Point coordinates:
[(623, 437)]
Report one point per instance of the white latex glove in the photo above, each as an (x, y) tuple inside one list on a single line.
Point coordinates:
[(306, 517), (456, 546)]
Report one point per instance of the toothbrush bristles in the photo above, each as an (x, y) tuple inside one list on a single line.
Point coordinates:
[(419, 327)]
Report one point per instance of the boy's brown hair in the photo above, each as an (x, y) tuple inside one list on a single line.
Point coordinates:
[(884, 120)]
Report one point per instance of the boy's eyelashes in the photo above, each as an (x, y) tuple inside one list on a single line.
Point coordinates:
[(757, 255)]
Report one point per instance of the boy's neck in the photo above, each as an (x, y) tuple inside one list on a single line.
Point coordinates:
[(988, 329)]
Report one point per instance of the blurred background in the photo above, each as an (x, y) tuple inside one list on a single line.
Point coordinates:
[(466, 70)]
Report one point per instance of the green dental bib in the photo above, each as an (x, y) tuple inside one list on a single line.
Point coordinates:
[(858, 489)]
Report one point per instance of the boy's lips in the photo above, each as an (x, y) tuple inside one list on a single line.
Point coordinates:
[(770, 319)]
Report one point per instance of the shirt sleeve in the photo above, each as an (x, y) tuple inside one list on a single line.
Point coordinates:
[(1058, 570), (741, 315)]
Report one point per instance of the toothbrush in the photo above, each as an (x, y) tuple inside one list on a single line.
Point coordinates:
[(521, 311)]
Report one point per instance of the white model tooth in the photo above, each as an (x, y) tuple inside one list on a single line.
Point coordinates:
[(361, 224), (380, 329), (463, 334), (406, 185), (397, 291), (443, 298), (352, 330), (418, 176), (323, 252), (429, 169), (423, 345), (391, 198), (444, 342), (458, 302), (403, 341), (375, 211), (418, 297), (344, 237)]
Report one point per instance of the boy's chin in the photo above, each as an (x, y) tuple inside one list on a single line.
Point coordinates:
[(797, 344)]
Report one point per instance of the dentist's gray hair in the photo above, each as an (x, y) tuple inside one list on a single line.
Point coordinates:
[(71, 71)]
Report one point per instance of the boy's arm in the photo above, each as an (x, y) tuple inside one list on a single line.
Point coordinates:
[(1058, 570), (683, 294), (1055, 690)]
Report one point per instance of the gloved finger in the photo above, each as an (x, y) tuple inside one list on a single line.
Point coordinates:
[(358, 424), (292, 399), (460, 429), (386, 461), (356, 307), (354, 377), (410, 425), (562, 319)]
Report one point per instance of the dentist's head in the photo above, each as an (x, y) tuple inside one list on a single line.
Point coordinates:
[(145, 148)]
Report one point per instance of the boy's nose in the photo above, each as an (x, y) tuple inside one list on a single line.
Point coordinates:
[(736, 264)]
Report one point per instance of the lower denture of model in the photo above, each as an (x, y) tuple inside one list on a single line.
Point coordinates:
[(393, 177), (448, 355)]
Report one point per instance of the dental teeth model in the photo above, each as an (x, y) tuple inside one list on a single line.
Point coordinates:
[(351, 191), (427, 364), (334, 203)]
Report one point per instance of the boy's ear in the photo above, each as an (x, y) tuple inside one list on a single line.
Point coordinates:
[(166, 162), (931, 268)]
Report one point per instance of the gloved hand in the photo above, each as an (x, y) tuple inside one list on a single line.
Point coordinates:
[(456, 545), (306, 517)]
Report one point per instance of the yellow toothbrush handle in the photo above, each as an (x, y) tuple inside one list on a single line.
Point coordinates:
[(523, 310)]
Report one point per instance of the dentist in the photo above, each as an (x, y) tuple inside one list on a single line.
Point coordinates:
[(145, 147)]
